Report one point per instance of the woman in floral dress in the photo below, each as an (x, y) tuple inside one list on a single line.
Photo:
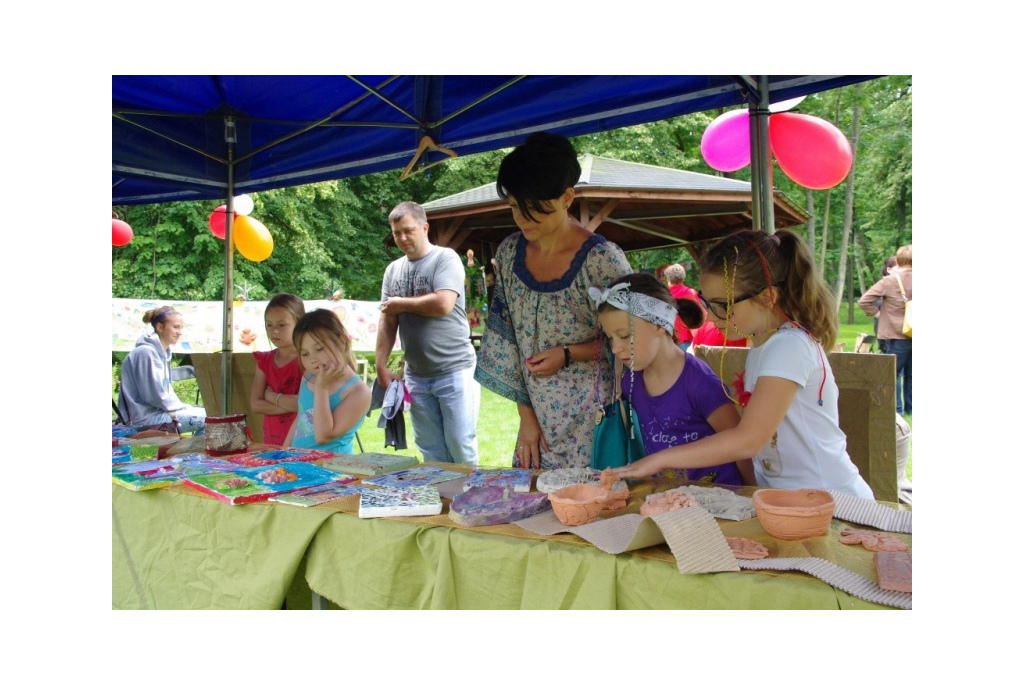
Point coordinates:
[(541, 348)]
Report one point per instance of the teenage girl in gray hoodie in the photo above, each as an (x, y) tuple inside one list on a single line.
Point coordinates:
[(147, 397)]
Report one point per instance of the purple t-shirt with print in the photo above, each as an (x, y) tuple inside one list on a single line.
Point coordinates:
[(679, 416)]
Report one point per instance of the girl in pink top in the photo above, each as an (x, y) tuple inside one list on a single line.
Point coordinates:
[(275, 389)]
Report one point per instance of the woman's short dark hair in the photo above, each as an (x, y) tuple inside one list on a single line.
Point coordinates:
[(537, 171)]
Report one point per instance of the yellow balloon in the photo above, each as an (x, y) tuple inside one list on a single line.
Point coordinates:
[(252, 238)]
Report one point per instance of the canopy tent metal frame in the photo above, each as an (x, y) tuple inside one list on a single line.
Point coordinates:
[(213, 137)]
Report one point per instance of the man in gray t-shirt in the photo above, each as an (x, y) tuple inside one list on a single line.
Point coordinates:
[(423, 301)]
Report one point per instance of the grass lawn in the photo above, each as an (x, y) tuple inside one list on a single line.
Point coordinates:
[(496, 430), (499, 421)]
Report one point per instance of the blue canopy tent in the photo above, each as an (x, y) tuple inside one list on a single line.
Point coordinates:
[(214, 137)]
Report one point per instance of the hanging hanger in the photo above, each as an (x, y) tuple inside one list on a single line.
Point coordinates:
[(426, 143)]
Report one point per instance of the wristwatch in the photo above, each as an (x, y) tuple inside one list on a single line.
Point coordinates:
[(568, 357)]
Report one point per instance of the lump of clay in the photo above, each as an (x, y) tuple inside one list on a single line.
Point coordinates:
[(617, 498), (721, 503), (556, 479), (743, 548), (488, 505), (666, 501), (872, 540)]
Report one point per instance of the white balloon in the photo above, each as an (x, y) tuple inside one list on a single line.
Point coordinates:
[(785, 105), (243, 205)]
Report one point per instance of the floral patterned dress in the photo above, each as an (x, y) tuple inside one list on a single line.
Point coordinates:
[(527, 316)]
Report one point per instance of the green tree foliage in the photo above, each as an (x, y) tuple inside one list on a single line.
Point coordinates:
[(886, 167), (336, 234)]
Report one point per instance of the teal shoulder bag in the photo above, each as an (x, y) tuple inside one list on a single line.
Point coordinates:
[(616, 435)]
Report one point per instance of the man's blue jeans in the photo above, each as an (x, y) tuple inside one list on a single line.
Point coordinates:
[(444, 411)]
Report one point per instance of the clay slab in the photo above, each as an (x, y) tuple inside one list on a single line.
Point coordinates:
[(894, 571)]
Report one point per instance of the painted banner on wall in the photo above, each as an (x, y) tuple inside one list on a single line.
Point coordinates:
[(204, 322)]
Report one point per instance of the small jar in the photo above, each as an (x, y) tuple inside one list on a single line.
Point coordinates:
[(226, 435)]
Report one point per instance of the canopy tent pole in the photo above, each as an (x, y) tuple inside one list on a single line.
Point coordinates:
[(229, 254), (760, 159)]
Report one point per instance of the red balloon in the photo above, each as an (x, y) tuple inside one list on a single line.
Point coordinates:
[(811, 151), (219, 221), (122, 233)]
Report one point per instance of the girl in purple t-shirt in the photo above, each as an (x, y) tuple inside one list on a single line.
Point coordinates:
[(677, 397)]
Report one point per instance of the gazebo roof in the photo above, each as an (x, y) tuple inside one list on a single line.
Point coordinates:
[(636, 206)]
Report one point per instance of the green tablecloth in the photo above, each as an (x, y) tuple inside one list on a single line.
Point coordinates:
[(174, 549), (386, 564)]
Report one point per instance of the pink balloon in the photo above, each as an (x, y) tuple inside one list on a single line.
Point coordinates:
[(725, 144), (123, 233), (811, 151)]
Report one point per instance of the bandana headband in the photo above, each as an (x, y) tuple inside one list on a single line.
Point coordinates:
[(648, 308)]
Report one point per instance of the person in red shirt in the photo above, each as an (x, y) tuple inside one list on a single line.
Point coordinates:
[(675, 275), (708, 334), (275, 386)]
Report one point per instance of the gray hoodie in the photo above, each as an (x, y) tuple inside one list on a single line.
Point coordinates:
[(146, 391)]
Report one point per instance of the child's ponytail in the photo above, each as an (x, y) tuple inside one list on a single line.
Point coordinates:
[(805, 297)]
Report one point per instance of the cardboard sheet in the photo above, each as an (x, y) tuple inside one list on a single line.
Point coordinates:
[(691, 533)]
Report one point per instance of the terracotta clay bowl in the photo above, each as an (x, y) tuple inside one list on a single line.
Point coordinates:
[(794, 514), (578, 504)]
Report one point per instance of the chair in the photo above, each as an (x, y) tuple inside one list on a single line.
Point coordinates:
[(119, 421), (178, 373), (184, 372), (865, 343)]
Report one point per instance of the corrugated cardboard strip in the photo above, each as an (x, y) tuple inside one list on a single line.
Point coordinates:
[(868, 512), (836, 576), (691, 533), (698, 545)]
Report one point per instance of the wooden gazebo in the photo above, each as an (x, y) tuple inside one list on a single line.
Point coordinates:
[(636, 206)]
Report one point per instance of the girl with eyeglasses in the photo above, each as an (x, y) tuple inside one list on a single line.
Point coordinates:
[(766, 288)]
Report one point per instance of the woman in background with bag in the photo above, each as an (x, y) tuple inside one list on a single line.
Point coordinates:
[(677, 398), (895, 291)]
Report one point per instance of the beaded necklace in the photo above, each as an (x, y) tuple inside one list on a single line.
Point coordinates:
[(743, 396)]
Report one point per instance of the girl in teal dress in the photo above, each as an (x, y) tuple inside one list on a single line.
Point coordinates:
[(333, 399)]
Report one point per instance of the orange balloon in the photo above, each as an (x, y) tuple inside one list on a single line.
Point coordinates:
[(252, 238)]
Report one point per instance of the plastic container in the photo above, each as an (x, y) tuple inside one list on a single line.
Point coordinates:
[(226, 435)]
